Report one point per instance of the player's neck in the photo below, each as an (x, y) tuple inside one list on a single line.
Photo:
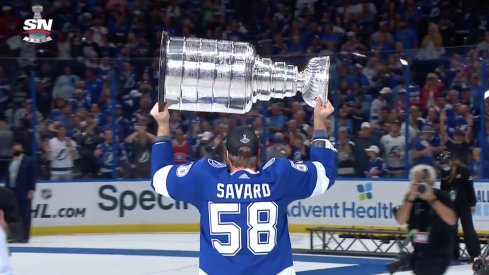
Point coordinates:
[(233, 169)]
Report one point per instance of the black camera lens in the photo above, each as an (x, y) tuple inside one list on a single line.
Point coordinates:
[(422, 188)]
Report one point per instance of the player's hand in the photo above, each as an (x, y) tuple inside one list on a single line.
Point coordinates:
[(162, 118), (322, 110)]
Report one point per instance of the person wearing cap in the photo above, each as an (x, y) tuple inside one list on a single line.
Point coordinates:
[(365, 140), (240, 201), (375, 167), (421, 149), (205, 146), (456, 181), (378, 103), (462, 139), (394, 143)]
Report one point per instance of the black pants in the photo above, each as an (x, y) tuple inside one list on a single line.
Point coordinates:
[(9, 206), (470, 236), (430, 266), (25, 210)]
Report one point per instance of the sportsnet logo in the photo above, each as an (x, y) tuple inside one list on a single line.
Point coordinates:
[(37, 30)]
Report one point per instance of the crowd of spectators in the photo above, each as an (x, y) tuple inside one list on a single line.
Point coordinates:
[(96, 81)]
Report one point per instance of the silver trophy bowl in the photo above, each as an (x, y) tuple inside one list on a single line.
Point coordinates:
[(228, 77)]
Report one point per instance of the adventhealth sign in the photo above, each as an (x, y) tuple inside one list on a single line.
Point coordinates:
[(351, 203)]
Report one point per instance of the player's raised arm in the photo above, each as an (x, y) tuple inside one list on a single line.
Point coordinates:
[(178, 182), (162, 152), (323, 153), (310, 178)]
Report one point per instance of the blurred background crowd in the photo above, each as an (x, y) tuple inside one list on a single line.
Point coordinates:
[(97, 80)]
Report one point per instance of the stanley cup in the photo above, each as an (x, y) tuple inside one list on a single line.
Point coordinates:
[(228, 77)]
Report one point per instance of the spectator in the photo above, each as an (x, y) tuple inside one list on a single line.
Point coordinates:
[(6, 139), (483, 47), (475, 163), (5, 89), (422, 151), (61, 151), (432, 90), (80, 100), (87, 141), (139, 146), (375, 167), (346, 158), (462, 139), (394, 146), (432, 44), (279, 148), (364, 141), (377, 105), (64, 87), (205, 145), (276, 120), (111, 156), (181, 148), (406, 36), (298, 148)]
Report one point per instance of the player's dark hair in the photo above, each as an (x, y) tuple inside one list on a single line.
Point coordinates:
[(245, 158)]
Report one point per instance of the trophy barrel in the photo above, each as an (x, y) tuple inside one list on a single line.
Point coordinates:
[(206, 75)]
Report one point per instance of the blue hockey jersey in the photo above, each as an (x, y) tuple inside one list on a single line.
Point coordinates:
[(243, 215)]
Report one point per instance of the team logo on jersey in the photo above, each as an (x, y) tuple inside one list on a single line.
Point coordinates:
[(108, 158), (270, 162), (144, 157), (216, 164), (245, 139), (299, 166), (183, 169), (37, 30), (62, 155)]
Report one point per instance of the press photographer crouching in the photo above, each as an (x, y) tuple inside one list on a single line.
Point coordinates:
[(430, 214), (457, 183)]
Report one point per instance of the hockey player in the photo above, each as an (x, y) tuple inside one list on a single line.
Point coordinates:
[(243, 209)]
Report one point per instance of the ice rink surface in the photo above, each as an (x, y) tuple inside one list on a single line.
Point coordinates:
[(151, 254)]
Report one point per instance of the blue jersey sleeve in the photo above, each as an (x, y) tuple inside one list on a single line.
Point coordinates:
[(309, 178), (175, 181)]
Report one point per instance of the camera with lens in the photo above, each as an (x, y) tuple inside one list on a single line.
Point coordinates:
[(481, 265), (423, 186)]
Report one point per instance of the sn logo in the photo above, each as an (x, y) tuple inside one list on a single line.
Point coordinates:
[(38, 24), (37, 29)]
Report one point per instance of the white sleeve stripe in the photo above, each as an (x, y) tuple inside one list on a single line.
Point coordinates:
[(159, 181), (322, 182)]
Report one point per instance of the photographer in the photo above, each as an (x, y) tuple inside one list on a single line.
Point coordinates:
[(430, 212), (457, 182)]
